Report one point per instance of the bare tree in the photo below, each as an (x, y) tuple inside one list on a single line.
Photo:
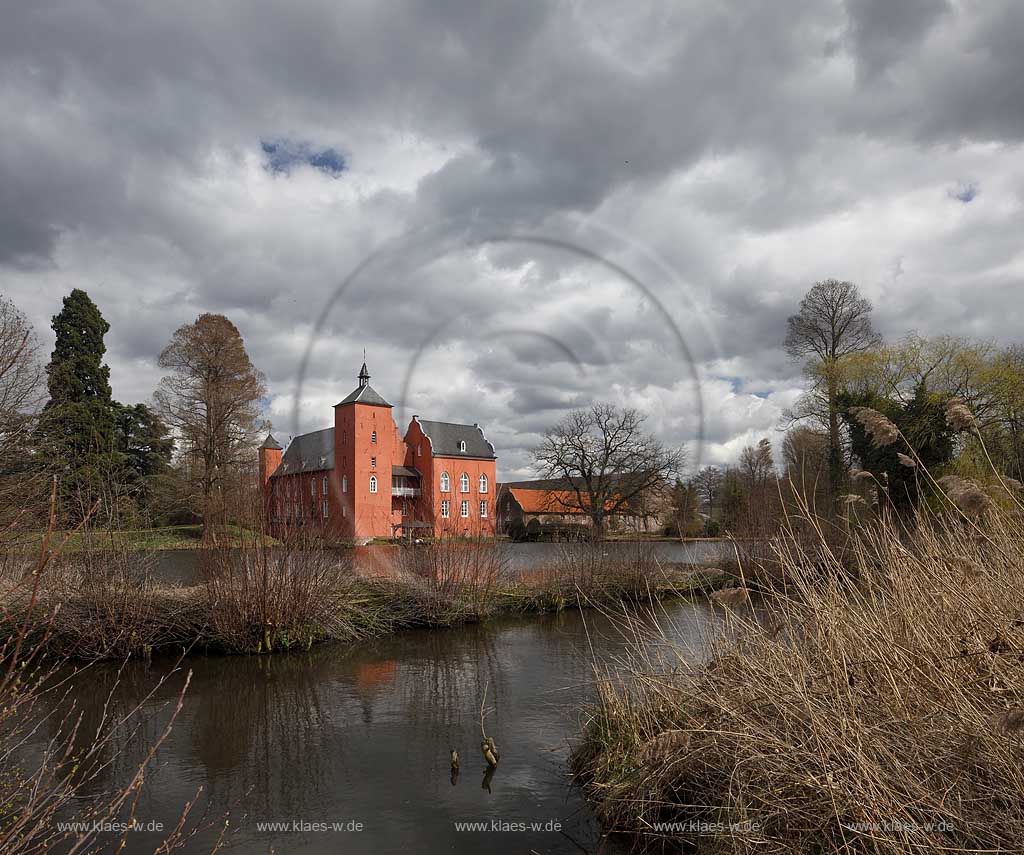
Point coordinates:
[(22, 392), (22, 378), (834, 323), (708, 483), (759, 480), (606, 460), (757, 465), (211, 399)]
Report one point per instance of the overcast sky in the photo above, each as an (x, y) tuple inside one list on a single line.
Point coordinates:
[(518, 207)]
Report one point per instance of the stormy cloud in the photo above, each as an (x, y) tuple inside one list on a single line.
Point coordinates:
[(514, 208)]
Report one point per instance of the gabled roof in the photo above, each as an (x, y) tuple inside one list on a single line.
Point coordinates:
[(445, 438), (364, 394), (271, 443), (310, 452), (551, 501), (546, 501)]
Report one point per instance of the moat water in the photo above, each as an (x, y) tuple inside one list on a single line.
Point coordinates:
[(346, 747), (185, 566)]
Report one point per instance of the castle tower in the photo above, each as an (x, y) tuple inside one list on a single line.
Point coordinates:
[(269, 458), (366, 447)]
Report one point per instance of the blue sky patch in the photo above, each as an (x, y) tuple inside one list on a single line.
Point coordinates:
[(965, 191), (282, 155)]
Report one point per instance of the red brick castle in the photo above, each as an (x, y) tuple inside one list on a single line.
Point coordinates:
[(362, 478)]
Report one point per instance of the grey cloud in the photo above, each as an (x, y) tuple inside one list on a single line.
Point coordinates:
[(727, 154)]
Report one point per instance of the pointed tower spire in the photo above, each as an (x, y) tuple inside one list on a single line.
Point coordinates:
[(364, 375)]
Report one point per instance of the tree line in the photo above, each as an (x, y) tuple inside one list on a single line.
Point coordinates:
[(829, 458), (183, 458)]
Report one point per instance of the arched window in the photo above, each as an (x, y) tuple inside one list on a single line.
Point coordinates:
[(446, 482), (462, 445), (373, 483), (463, 483), (483, 483), (373, 436), (344, 483)]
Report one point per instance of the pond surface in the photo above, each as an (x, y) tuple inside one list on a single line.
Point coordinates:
[(362, 733), (184, 566)]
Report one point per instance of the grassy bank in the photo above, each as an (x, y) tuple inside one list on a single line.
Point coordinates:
[(877, 706), (135, 540), (260, 600)]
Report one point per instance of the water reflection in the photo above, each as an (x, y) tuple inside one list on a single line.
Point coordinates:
[(364, 733)]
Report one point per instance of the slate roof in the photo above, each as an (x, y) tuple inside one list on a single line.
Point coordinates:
[(445, 437), (405, 472), (271, 443), (365, 394), (310, 452)]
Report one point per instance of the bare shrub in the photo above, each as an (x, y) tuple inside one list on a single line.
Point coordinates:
[(460, 576), (65, 780), (262, 598)]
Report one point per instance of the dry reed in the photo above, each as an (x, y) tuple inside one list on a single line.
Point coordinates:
[(877, 709)]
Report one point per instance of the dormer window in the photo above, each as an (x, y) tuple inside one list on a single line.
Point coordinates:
[(462, 445)]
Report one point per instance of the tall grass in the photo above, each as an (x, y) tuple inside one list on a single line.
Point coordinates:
[(874, 702), (64, 780)]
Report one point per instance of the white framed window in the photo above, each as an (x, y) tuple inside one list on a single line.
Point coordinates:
[(325, 508), (465, 508), (312, 488), (463, 483), (445, 508), (483, 510), (462, 445), (373, 437), (344, 483), (483, 483), (373, 462), (446, 483), (324, 485), (373, 483)]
